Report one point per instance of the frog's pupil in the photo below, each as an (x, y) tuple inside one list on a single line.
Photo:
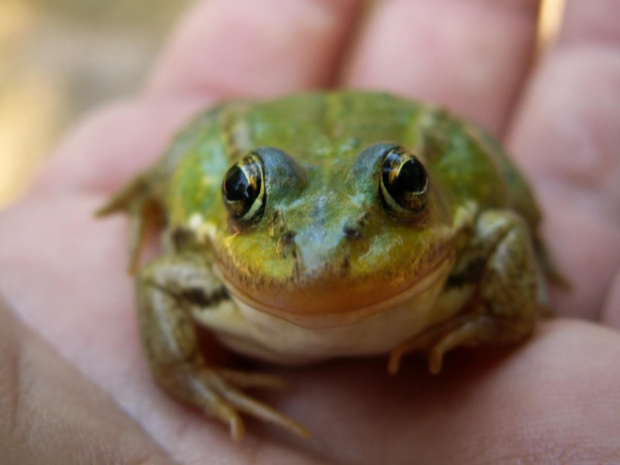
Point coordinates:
[(411, 178), (404, 182), (237, 185), (241, 190)]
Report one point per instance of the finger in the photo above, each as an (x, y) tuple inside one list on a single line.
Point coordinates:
[(83, 305), (566, 137), (552, 400), (48, 410), (470, 56), (221, 50), (114, 144), (258, 48), (611, 310)]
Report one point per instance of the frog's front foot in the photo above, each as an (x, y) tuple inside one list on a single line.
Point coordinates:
[(469, 330), (217, 392), (167, 289), (508, 294)]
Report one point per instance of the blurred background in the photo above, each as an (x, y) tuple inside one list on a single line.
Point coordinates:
[(61, 58)]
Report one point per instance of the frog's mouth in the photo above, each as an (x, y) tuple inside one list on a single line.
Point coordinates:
[(329, 302)]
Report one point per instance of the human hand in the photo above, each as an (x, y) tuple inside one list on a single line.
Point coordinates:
[(554, 398)]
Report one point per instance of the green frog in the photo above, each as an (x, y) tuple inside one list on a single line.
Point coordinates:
[(323, 225)]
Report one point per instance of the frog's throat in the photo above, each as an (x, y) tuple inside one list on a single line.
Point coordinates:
[(432, 281)]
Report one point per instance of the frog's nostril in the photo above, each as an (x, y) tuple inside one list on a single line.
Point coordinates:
[(288, 238), (286, 245), (351, 233)]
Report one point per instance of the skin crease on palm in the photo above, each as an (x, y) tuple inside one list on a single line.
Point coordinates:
[(74, 384)]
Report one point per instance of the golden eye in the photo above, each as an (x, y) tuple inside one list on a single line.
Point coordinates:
[(404, 182), (243, 189)]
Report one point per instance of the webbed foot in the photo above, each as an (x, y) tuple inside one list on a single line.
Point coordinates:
[(218, 393)]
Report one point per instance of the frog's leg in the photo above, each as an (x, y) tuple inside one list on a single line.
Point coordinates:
[(137, 199), (506, 302), (167, 289)]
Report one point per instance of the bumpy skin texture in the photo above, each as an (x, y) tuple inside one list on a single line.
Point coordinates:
[(74, 382), (171, 344), (317, 176)]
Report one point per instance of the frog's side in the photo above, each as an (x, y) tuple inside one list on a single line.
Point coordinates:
[(350, 223)]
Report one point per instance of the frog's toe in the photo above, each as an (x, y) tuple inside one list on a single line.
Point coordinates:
[(397, 354), (435, 357), (467, 331), (245, 380), (220, 409), (478, 330), (234, 399), (463, 335)]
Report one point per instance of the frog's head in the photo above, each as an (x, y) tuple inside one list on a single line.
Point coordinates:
[(326, 245)]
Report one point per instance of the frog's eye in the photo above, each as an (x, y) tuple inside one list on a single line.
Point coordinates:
[(404, 182), (243, 189)]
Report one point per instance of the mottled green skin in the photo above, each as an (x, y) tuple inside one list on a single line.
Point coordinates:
[(328, 131), (325, 133), (354, 278)]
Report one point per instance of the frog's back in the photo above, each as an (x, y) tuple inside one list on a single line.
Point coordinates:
[(328, 130)]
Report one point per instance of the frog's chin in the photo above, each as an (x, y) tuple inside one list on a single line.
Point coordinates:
[(334, 307)]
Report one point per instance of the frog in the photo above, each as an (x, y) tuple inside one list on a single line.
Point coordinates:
[(322, 225)]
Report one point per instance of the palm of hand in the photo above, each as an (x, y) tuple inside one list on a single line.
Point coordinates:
[(64, 273)]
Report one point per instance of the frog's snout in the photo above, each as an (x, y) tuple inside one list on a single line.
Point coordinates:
[(287, 243), (318, 249)]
